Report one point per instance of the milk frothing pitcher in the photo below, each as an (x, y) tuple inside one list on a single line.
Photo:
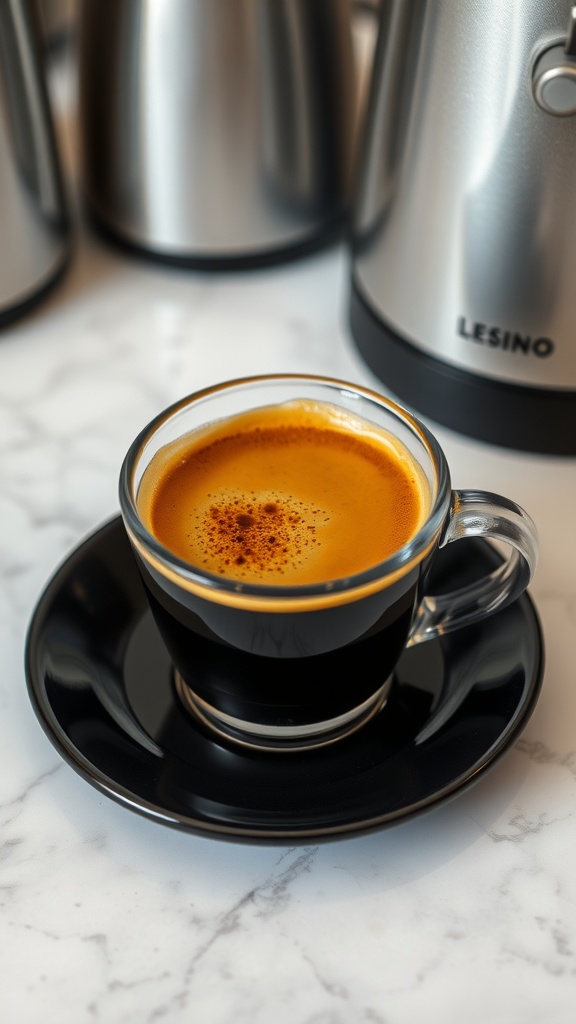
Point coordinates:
[(216, 132), (464, 237), (34, 222)]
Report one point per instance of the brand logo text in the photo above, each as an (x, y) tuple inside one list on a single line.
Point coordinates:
[(507, 341)]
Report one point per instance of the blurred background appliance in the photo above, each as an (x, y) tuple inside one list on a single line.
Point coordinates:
[(217, 133), (59, 18), (35, 227), (464, 238)]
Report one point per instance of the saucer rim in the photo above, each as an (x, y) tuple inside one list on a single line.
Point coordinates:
[(121, 795)]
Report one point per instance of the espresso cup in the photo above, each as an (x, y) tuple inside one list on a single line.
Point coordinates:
[(285, 527)]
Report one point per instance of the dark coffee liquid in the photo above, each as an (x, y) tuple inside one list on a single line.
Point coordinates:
[(300, 493), (287, 686)]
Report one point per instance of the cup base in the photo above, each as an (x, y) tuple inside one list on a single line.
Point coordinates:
[(282, 738)]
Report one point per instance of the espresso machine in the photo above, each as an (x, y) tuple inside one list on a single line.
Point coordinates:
[(463, 297)]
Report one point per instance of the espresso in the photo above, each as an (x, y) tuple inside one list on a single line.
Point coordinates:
[(292, 494)]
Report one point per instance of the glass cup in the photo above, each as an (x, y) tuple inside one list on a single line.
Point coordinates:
[(288, 667)]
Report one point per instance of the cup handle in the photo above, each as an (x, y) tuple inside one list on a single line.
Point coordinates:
[(480, 514)]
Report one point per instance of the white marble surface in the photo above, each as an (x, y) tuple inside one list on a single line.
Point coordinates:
[(466, 914)]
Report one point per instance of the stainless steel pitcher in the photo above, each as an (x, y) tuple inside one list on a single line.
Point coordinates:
[(34, 223), (216, 132), (464, 249)]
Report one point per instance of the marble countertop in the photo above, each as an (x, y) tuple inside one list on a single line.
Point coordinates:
[(467, 913)]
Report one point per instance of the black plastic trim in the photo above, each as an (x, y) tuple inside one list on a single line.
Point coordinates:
[(320, 238), (24, 307), (530, 419)]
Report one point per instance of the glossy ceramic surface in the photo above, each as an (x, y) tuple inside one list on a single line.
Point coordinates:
[(101, 683)]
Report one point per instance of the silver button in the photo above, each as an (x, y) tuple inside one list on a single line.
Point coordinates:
[(554, 82), (556, 91)]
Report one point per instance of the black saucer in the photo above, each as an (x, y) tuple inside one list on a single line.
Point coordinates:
[(100, 681)]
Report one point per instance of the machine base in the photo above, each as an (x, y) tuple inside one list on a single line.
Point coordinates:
[(531, 419)]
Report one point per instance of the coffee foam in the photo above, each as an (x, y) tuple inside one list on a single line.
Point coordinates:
[(265, 533), (298, 493)]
